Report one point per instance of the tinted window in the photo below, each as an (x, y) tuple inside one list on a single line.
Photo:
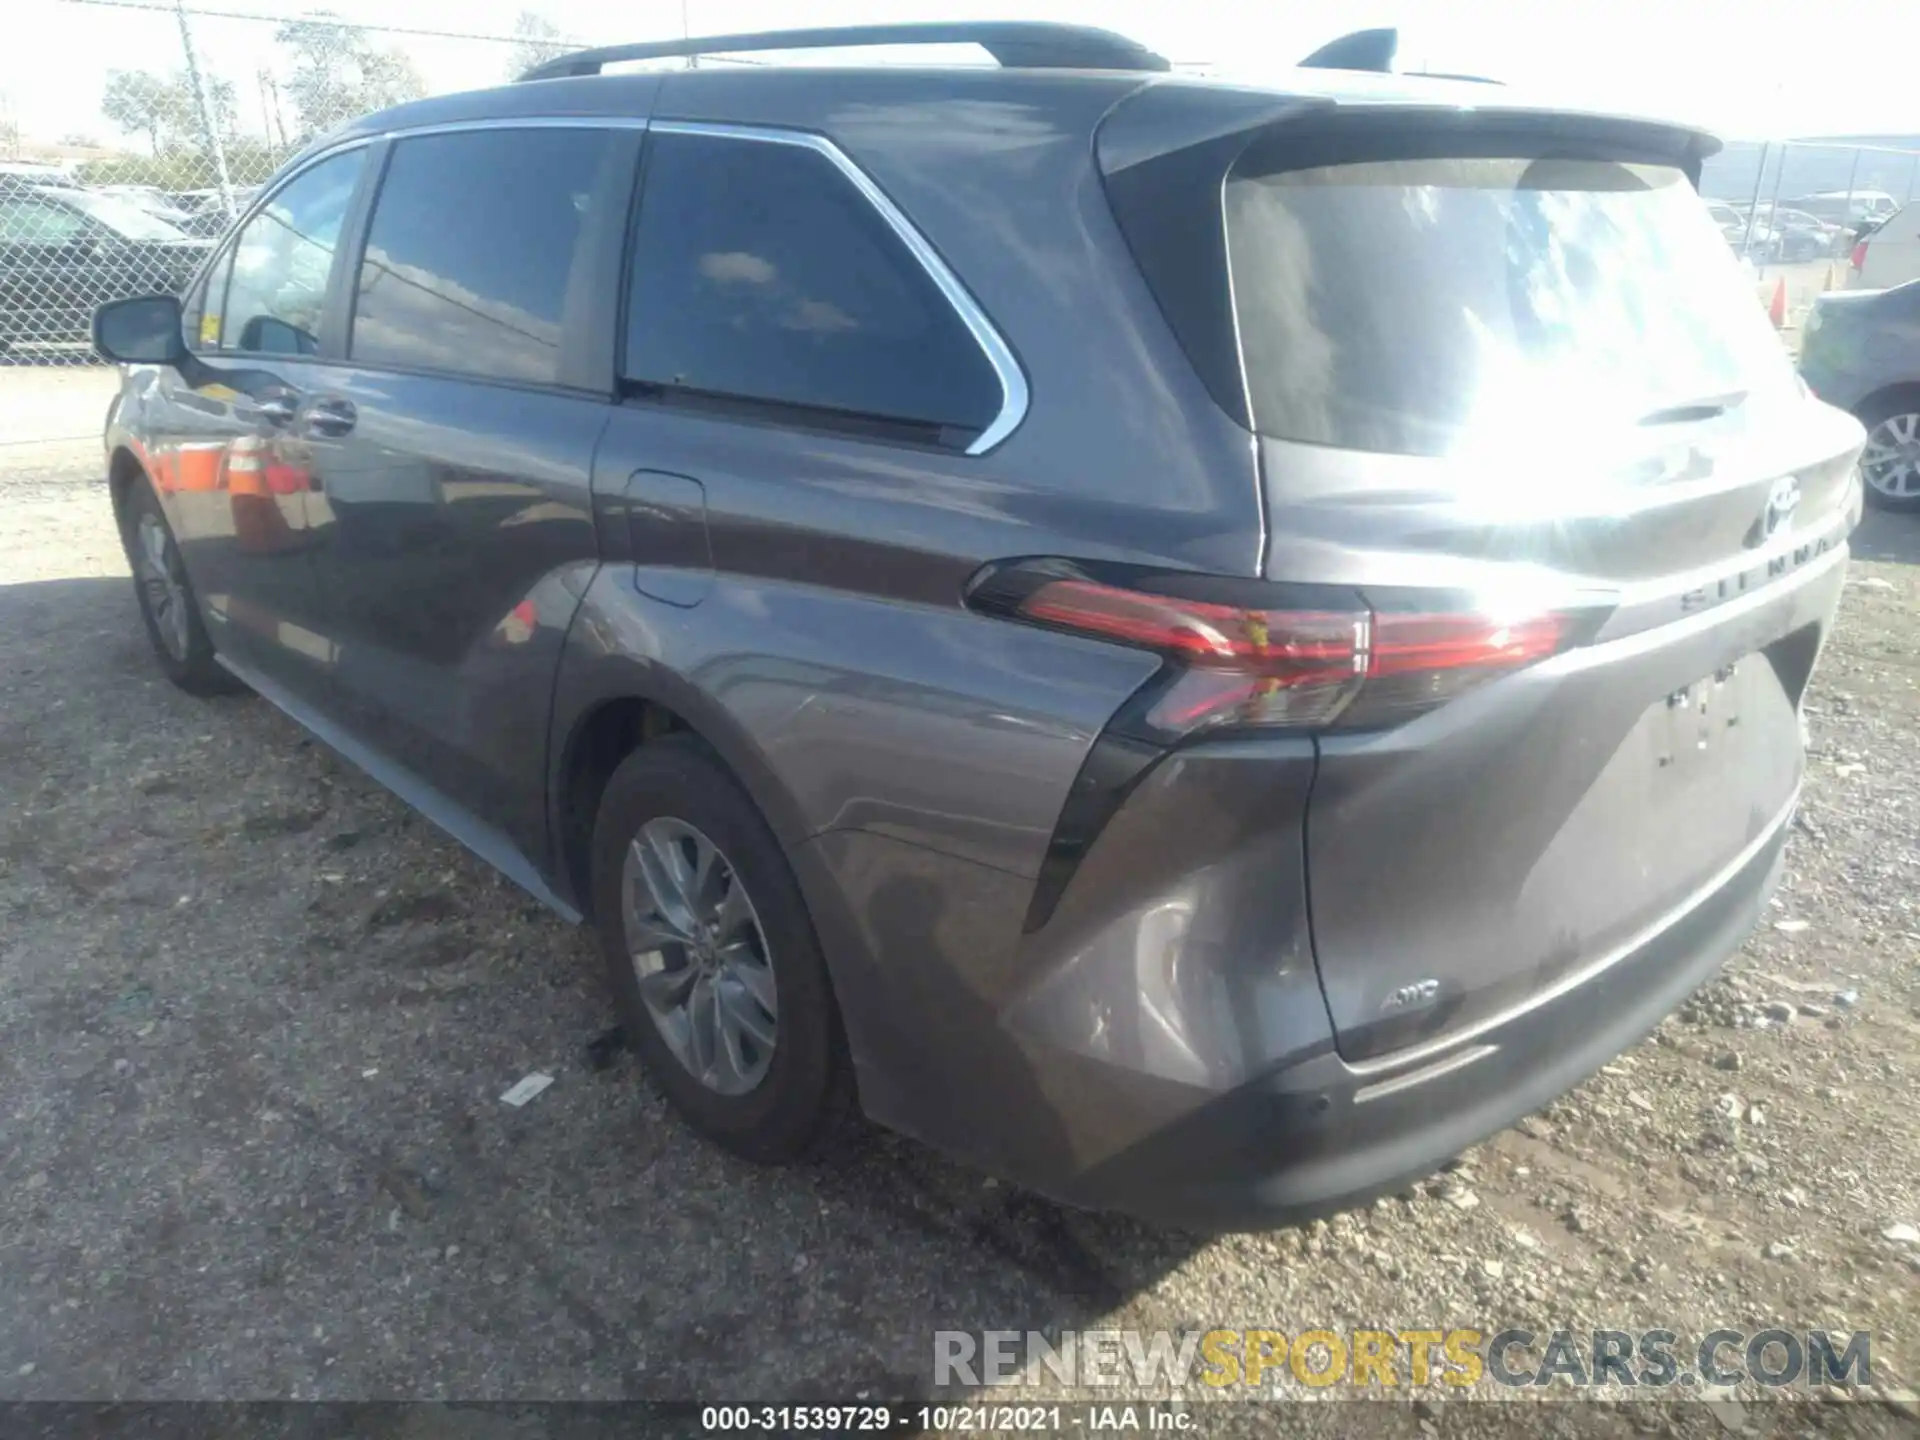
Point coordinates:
[(26, 221), (472, 243), (200, 319), (281, 260), (762, 273), (1421, 306)]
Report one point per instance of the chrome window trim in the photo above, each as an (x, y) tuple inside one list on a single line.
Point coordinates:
[(1013, 381), (274, 184), (1014, 393), (229, 240)]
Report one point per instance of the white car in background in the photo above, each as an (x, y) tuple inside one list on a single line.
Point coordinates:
[(1843, 207), (1749, 236), (1890, 255)]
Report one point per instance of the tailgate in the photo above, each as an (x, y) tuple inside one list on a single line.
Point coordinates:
[(1508, 843), (1521, 377)]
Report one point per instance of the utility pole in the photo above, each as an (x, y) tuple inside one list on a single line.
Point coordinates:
[(215, 146), (270, 108)]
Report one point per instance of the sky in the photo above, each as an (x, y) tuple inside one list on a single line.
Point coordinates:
[(1747, 68)]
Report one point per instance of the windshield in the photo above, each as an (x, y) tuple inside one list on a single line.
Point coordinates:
[(1417, 306), (122, 215)]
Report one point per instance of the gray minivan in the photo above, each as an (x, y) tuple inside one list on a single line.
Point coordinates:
[(1200, 647)]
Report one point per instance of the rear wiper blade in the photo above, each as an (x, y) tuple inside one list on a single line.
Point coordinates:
[(1703, 408)]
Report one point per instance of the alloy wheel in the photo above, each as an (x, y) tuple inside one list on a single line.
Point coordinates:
[(700, 956), (163, 588), (1891, 461)]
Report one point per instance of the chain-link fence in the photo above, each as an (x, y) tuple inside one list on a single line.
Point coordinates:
[(1799, 200), (119, 182), (155, 120)]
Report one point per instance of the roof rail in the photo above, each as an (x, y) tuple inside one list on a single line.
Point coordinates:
[(1014, 43)]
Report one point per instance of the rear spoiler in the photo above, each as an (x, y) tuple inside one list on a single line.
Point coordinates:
[(1164, 154)]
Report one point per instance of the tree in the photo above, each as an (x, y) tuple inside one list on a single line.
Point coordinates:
[(340, 74), (249, 161), (537, 41), (138, 102), (163, 108)]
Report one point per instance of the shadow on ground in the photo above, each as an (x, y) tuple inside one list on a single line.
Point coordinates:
[(1888, 536), (255, 1020)]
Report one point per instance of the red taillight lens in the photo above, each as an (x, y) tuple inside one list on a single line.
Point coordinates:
[(1255, 665), (1423, 660), (1419, 644), (1859, 260), (1294, 646)]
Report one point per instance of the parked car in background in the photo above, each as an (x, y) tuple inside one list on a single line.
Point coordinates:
[(28, 175), (1849, 209), (1890, 254), (64, 251), (1750, 236), (1860, 350), (1807, 237), (1055, 601), (1732, 222), (154, 201), (205, 213)]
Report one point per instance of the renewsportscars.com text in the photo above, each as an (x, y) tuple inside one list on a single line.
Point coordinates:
[(1381, 1360)]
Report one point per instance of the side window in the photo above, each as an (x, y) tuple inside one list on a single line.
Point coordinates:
[(280, 263), (473, 240), (25, 220), (200, 317), (762, 274)]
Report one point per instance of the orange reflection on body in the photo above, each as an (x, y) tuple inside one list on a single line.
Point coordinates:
[(196, 467), (258, 525)]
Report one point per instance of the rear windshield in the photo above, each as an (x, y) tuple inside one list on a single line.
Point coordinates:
[(1412, 306), (123, 215)]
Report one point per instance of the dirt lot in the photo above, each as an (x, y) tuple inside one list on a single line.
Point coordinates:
[(255, 1019)]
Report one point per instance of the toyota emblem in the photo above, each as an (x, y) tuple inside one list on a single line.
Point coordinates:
[(1781, 502)]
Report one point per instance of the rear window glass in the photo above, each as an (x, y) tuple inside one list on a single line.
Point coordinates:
[(1418, 306), (762, 275)]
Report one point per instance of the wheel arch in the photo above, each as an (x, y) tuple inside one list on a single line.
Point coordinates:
[(123, 469), (610, 706), (1871, 409)]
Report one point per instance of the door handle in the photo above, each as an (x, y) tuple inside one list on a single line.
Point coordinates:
[(330, 416), (275, 409)]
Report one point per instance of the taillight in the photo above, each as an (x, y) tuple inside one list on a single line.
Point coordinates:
[(1238, 660), (1859, 260)]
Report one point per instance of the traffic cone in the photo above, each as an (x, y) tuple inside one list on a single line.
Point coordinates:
[(1777, 311)]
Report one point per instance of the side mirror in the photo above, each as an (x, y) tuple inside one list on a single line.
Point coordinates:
[(142, 331), (265, 335)]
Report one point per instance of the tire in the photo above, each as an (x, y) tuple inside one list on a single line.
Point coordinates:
[(662, 801), (1888, 417), (168, 605)]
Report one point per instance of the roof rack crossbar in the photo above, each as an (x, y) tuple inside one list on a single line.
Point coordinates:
[(1014, 43)]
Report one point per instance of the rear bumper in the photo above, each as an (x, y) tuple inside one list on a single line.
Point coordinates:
[(1324, 1135)]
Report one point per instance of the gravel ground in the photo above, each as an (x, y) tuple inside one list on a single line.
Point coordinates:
[(255, 1019)]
